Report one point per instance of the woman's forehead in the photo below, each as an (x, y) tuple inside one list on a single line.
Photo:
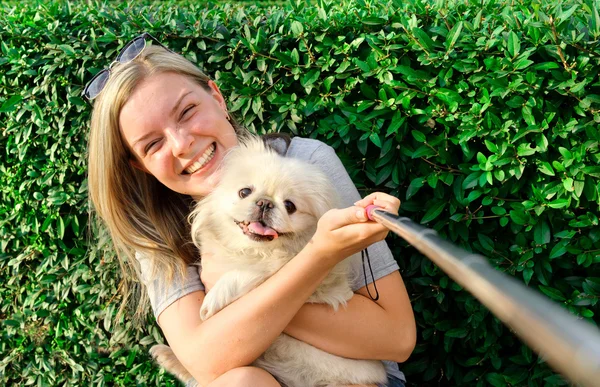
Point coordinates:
[(154, 101), (162, 87)]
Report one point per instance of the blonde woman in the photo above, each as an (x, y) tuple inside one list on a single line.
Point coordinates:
[(159, 131)]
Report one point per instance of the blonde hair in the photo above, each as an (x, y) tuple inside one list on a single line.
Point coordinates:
[(139, 213)]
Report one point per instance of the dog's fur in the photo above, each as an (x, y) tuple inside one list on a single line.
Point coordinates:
[(230, 224)]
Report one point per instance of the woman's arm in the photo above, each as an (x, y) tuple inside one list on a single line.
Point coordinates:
[(365, 329), (243, 330)]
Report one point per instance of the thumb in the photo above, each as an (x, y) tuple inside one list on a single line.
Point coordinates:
[(342, 217)]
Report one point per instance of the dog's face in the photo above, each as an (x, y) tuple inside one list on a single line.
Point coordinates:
[(267, 200)]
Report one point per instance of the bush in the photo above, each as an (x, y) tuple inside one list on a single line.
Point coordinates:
[(481, 116)]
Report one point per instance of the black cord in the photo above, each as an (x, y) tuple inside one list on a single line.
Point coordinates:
[(362, 255)]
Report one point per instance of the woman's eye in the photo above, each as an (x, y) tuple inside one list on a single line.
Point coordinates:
[(151, 145), (289, 207), (186, 110), (245, 192)]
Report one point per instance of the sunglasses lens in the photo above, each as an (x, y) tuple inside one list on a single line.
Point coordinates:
[(132, 50), (97, 84)]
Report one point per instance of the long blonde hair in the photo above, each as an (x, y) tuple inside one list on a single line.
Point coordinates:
[(139, 213)]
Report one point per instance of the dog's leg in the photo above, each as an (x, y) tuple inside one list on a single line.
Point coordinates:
[(229, 287), (165, 357)]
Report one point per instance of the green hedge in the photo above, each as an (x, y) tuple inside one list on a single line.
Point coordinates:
[(481, 116)]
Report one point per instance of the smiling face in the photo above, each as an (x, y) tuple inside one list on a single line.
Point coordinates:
[(178, 131)]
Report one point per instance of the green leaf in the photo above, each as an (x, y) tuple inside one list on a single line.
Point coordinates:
[(453, 36), (458, 333), (310, 77), (579, 186), (473, 195), (546, 168), (60, 228), (498, 210), (374, 137), (419, 136), (565, 153), (519, 217), (546, 66), (67, 49), (297, 28), (592, 171), (528, 115), (542, 233), (486, 242), (296, 57), (434, 211), (423, 150), (423, 39), (554, 294), (567, 14), (491, 146), (414, 187), (496, 380), (9, 105), (559, 249), (395, 124), (559, 203), (514, 45), (481, 159), (471, 180)]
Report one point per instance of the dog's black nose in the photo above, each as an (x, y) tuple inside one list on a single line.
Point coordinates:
[(264, 204)]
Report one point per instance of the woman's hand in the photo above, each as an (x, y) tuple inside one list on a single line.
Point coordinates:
[(344, 232), (387, 202)]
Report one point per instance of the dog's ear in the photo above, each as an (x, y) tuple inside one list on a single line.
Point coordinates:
[(279, 142)]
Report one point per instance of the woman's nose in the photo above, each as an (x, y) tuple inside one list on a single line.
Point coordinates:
[(181, 141)]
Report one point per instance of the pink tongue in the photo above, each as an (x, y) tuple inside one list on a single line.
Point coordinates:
[(259, 229)]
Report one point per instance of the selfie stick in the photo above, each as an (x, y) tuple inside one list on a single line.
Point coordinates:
[(570, 345)]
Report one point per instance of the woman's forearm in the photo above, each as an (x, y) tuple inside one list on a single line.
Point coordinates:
[(362, 330), (243, 330)]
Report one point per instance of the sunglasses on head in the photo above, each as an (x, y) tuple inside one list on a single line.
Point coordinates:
[(131, 51)]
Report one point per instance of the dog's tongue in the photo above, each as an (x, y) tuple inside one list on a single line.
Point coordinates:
[(258, 228)]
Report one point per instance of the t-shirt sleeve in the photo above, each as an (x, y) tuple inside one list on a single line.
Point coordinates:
[(160, 291), (382, 261)]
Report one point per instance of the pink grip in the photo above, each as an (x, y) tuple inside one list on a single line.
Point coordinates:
[(369, 209)]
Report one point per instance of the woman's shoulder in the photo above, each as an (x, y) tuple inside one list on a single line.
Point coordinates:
[(308, 149)]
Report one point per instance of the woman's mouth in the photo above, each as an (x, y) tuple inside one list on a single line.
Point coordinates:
[(203, 160)]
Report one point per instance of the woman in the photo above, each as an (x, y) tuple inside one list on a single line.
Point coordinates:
[(159, 131)]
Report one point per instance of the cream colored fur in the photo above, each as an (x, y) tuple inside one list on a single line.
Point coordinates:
[(247, 262)]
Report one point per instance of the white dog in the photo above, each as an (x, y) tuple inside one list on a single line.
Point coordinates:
[(258, 218)]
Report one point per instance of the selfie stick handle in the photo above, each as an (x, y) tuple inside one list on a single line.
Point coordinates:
[(568, 344)]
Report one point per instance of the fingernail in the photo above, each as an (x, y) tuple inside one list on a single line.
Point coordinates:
[(360, 214)]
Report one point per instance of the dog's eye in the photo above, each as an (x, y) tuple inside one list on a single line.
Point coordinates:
[(244, 192), (289, 206)]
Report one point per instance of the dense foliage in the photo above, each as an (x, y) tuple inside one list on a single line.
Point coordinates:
[(481, 116)]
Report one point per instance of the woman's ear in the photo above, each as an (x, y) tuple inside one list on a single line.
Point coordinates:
[(137, 165), (216, 94)]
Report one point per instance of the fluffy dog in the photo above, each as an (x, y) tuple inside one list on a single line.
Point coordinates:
[(263, 212)]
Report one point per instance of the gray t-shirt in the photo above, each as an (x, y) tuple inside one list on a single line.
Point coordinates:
[(317, 153)]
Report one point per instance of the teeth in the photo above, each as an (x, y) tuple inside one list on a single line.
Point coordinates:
[(206, 157)]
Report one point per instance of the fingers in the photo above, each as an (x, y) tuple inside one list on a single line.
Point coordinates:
[(338, 218), (386, 202), (368, 232)]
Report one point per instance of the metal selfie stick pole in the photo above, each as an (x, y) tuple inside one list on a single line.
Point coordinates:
[(568, 344)]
